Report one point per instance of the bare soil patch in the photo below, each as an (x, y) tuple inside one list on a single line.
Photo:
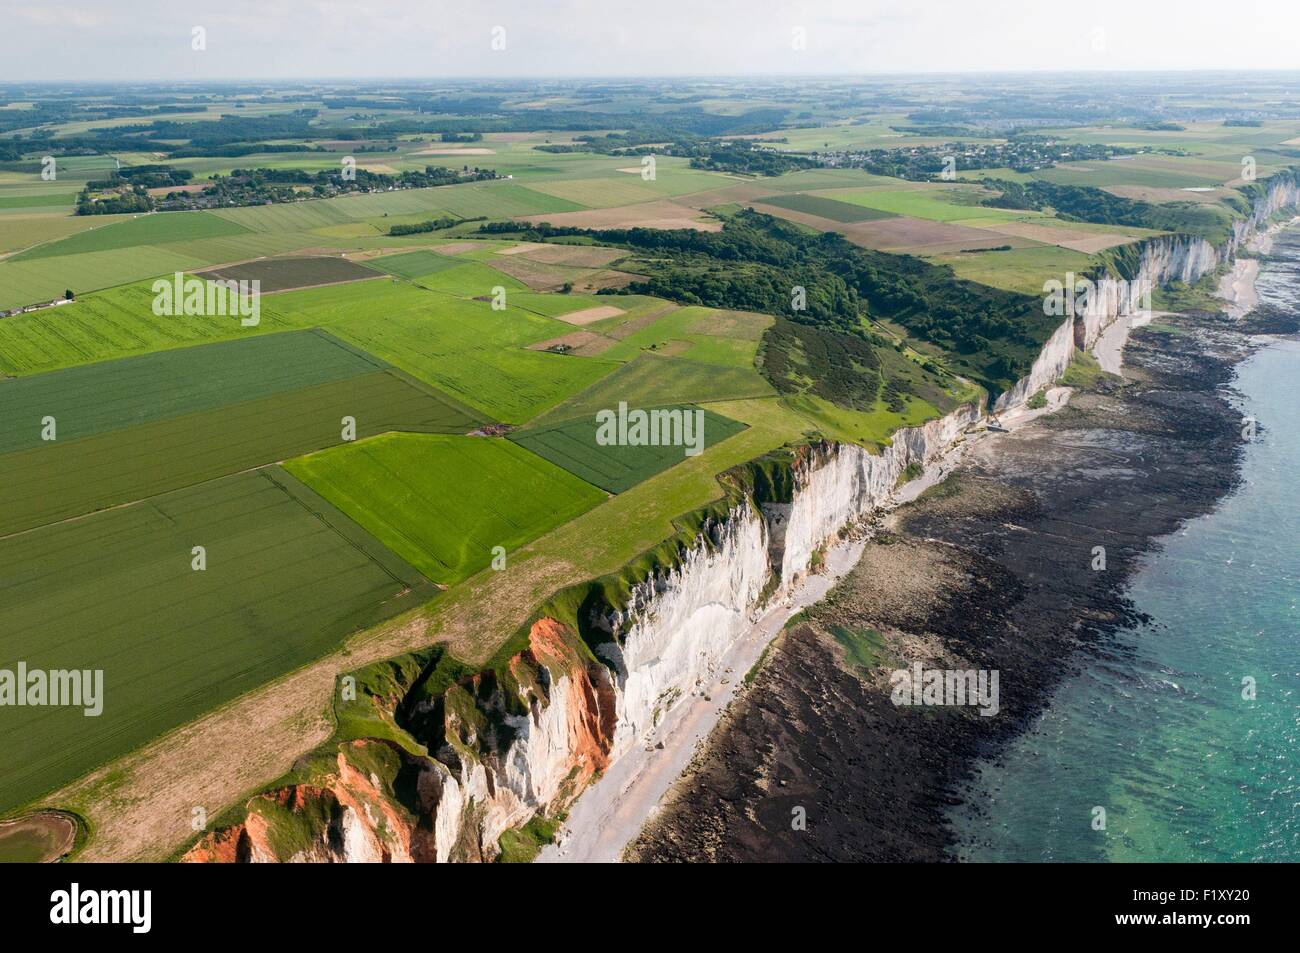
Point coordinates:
[(1087, 242), (584, 256), (1149, 193), (286, 274), (456, 248), (591, 315), (40, 838), (570, 342)]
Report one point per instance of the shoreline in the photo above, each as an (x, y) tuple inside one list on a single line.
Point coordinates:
[(611, 812), (722, 807)]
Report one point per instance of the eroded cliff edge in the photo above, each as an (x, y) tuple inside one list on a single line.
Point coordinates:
[(437, 761)]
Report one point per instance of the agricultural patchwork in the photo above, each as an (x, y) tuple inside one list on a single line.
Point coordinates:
[(284, 578), (507, 341)]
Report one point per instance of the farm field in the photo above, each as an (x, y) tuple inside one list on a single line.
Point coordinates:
[(287, 578), (958, 206), (134, 447), (156, 229), (617, 468), (169, 427), (824, 207), (118, 322), (443, 503), (725, 338), (70, 478), (662, 213), (1017, 269), (469, 279), (412, 264), (651, 379), (287, 274), (117, 250), (97, 398), (20, 230), (463, 347), (45, 277)]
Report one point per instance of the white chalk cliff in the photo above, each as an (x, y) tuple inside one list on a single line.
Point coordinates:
[(673, 630)]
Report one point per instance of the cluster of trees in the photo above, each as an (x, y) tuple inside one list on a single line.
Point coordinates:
[(237, 150), (134, 199), (432, 225), (359, 179), (1086, 203), (145, 176), (257, 187), (842, 368), (757, 262), (734, 155), (744, 157), (1023, 153)]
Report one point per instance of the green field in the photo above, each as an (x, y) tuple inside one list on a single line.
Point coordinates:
[(1018, 269), (443, 503), (463, 347), (469, 279), (650, 379), (287, 578), (727, 338), (97, 398), (616, 468), (109, 324), (157, 229), (62, 199), (937, 205), (413, 264), (825, 207), (129, 447)]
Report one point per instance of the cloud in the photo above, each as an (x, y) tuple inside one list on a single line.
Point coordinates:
[(96, 39)]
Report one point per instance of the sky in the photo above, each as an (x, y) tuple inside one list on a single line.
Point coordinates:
[(64, 40)]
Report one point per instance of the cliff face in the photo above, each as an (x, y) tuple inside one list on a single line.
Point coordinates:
[(500, 748), (467, 756), (526, 737), (1159, 261)]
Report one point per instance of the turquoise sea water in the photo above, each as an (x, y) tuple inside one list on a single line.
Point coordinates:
[(1160, 735)]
